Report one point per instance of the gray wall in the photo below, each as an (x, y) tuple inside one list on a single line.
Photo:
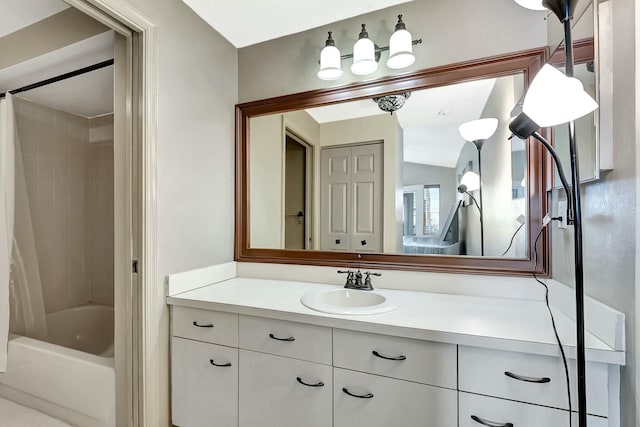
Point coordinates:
[(197, 89), (609, 211), (419, 174), (452, 31)]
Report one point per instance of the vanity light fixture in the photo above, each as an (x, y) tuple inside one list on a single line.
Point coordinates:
[(330, 62), (366, 53), (478, 132), (541, 109), (364, 56)]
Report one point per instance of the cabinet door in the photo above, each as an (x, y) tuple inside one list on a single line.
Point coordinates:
[(204, 389), (272, 393), (390, 402)]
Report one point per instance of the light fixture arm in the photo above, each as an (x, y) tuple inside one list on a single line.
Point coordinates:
[(378, 50)]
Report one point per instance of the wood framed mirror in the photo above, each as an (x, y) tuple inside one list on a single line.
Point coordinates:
[(254, 221)]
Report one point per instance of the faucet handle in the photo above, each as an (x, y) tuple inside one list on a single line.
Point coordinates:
[(350, 279), (367, 286)]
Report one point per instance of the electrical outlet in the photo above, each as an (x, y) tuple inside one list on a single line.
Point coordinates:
[(562, 211)]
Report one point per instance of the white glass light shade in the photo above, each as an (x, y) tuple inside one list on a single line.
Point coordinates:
[(554, 98), (471, 180), (330, 64), (478, 130), (400, 50), (531, 4), (364, 57)]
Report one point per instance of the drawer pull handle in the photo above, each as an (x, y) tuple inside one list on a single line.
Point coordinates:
[(375, 353), (489, 423), (318, 384), (528, 379), (208, 325), (273, 337), (225, 365), (359, 396)]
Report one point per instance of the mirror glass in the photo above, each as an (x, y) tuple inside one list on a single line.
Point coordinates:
[(352, 177)]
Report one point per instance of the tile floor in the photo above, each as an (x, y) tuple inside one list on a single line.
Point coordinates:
[(14, 415)]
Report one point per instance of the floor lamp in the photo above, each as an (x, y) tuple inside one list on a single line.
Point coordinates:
[(478, 132), (554, 99)]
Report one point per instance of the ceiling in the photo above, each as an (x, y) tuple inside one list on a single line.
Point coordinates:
[(68, 95), (429, 119), (18, 14), (247, 22)]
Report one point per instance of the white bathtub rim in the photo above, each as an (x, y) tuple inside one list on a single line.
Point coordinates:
[(69, 353)]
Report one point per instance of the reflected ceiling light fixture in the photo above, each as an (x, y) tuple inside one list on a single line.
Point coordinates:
[(555, 99), (391, 103), (366, 53), (478, 132)]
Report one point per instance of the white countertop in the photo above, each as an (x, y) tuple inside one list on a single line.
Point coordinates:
[(505, 324)]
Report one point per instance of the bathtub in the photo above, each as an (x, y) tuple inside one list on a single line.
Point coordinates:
[(72, 377)]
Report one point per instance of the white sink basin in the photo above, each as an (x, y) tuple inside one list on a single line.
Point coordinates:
[(349, 301)]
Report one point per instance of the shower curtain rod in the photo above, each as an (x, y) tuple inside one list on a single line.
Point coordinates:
[(61, 77)]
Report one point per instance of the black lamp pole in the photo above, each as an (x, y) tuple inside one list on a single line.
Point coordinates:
[(563, 9), (479, 143)]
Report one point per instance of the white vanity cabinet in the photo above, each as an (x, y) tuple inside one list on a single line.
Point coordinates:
[(235, 370), (283, 392), (204, 376), (379, 380)]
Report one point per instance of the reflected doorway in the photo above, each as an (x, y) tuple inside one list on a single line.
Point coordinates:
[(297, 182)]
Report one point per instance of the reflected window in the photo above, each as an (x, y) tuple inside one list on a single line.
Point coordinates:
[(431, 210), (409, 214)]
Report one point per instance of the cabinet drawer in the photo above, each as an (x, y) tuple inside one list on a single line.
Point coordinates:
[(201, 391), (205, 325), (421, 361), (290, 339), (498, 412), (391, 402), (272, 393), (485, 372)]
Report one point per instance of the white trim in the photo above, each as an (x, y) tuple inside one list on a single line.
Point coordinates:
[(190, 280), (601, 320), (149, 401)]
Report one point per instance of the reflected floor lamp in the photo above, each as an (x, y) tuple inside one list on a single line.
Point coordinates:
[(478, 132), (554, 99)]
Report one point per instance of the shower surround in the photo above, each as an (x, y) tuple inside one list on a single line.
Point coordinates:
[(68, 163)]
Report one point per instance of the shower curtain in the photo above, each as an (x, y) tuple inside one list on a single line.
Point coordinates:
[(21, 302)]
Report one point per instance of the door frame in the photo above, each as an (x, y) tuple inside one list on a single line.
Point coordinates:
[(139, 300)]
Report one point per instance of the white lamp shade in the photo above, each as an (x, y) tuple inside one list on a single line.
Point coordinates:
[(478, 130), (471, 180), (554, 98), (330, 66), (400, 50), (531, 4), (364, 57)]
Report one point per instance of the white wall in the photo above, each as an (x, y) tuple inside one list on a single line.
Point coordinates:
[(266, 181)]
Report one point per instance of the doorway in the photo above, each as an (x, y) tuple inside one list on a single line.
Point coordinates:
[(297, 186)]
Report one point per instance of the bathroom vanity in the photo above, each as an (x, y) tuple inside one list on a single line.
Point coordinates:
[(246, 352)]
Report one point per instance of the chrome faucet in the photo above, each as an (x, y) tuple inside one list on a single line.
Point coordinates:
[(354, 279)]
